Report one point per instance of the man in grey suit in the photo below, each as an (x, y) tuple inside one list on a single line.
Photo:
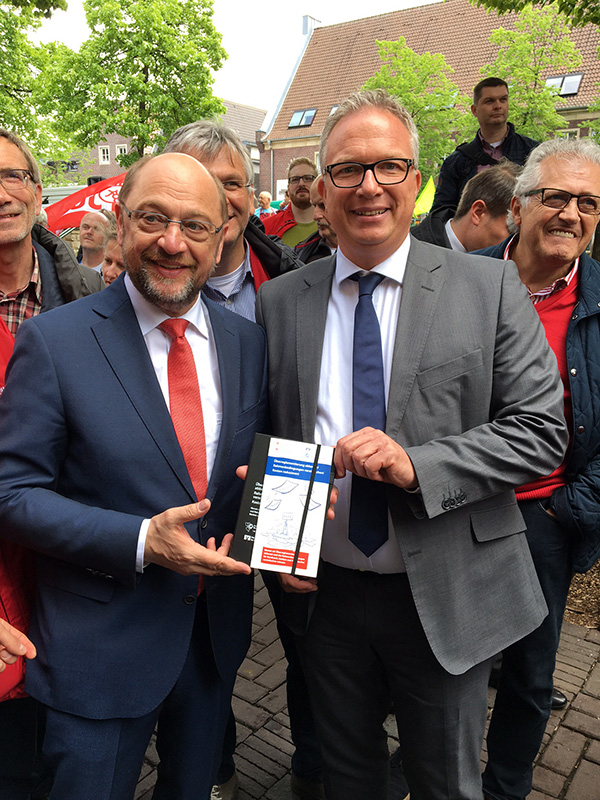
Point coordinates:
[(414, 604)]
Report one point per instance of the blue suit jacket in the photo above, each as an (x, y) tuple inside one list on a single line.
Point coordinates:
[(87, 451)]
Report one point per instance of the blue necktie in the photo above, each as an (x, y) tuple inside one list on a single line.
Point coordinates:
[(368, 527)]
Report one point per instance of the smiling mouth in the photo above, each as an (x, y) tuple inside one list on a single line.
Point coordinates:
[(563, 234), (375, 213)]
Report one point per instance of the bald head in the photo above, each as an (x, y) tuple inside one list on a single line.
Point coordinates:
[(93, 234), (167, 261)]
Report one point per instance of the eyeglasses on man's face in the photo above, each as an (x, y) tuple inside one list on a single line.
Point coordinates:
[(559, 199), (14, 180), (196, 230), (387, 172), (295, 179), (232, 187)]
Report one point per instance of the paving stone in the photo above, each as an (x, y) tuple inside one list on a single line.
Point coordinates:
[(564, 751), (583, 723), (252, 787), (593, 635), (544, 780), (593, 752), (255, 772), (267, 634), (273, 676), (592, 685), (261, 598), (250, 715), (264, 615), (250, 669), (262, 762), (587, 704), (275, 701), (271, 654), (269, 750), (275, 738), (242, 731), (248, 690), (586, 782), (282, 790)]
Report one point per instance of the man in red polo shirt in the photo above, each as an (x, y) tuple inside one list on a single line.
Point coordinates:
[(556, 208)]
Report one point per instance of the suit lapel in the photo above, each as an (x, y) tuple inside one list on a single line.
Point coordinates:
[(120, 339), (228, 355), (311, 316), (421, 292)]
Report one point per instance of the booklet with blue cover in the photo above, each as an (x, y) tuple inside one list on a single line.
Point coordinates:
[(284, 506)]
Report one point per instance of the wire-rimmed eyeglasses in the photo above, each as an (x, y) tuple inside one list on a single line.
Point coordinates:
[(196, 230)]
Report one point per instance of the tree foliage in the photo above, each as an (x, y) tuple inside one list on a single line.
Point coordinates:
[(144, 71), (579, 12), (422, 84), (540, 43), (38, 8)]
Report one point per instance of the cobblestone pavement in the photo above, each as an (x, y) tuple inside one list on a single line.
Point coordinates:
[(568, 767)]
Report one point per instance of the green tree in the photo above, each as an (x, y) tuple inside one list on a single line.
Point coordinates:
[(579, 12), (540, 43), (17, 69), (144, 71), (422, 85)]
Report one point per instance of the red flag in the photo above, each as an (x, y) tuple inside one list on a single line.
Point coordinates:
[(67, 213)]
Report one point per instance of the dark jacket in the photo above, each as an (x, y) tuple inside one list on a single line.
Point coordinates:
[(577, 504), (312, 248), (275, 256), (463, 162), (63, 279), (432, 228)]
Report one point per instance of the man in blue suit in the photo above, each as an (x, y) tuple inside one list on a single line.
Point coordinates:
[(127, 635)]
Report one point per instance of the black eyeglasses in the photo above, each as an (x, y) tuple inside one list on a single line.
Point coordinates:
[(558, 199), (297, 178), (387, 171), (15, 179), (196, 230)]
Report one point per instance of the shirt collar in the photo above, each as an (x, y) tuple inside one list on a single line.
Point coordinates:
[(393, 267), (150, 316), (558, 284)]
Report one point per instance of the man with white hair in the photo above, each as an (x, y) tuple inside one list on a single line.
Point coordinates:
[(556, 208)]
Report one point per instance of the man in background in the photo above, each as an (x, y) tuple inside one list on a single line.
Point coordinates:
[(324, 241), (93, 232), (555, 208), (295, 222), (481, 217), (495, 139)]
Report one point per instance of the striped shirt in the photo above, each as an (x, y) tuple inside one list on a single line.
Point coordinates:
[(547, 291)]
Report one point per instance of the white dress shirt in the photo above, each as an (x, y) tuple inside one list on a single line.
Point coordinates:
[(334, 406), (201, 339)]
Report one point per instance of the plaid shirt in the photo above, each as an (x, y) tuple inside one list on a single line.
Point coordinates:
[(24, 303)]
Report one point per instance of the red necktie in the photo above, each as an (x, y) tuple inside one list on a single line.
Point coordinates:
[(186, 407), (185, 403)]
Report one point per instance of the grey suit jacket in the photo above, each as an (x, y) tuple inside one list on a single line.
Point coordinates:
[(476, 400)]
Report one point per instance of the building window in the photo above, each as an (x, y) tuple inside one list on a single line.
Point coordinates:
[(565, 84), (121, 150), (104, 155), (568, 133), (333, 110), (302, 118)]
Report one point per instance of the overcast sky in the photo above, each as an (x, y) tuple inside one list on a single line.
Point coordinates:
[(263, 40)]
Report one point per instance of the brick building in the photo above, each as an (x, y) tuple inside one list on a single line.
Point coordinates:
[(338, 59)]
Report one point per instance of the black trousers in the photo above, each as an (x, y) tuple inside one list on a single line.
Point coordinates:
[(365, 643)]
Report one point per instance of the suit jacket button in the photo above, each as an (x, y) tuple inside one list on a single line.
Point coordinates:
[(204, 523), (189, 599)]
